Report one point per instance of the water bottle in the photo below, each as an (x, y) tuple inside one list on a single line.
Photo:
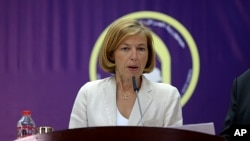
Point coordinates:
[(26, 125)]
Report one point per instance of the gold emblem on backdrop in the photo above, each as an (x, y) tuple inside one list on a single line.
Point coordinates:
[(171, 25)]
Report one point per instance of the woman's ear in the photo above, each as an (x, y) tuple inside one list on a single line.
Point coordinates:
[(111, 58)]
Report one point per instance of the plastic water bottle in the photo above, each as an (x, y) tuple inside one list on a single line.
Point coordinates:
[(26, 125)]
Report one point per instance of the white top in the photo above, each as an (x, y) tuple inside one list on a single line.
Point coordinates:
[(120, 119)]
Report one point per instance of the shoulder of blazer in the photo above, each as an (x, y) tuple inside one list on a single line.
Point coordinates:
[(149, 85), (245, 76)]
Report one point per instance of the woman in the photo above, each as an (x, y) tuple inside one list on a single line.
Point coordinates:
[(127, 51)]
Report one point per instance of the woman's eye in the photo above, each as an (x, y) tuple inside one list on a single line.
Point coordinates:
[(125, 48), (141, 49)]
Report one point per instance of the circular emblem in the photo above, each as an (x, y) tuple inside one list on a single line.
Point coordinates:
[(178, 60)]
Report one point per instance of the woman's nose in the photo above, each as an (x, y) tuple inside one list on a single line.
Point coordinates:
[(134, 55)]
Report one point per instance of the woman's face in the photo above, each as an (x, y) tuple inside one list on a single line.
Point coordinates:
[(131, 56)]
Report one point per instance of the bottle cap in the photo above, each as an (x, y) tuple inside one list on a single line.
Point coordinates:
[(26, 112), (45, 129)]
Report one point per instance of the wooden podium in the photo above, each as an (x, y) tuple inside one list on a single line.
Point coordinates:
[(123, 133)]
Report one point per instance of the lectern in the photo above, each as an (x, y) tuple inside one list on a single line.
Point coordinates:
[(123, 133)]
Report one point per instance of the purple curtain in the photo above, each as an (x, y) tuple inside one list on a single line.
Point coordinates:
[(46, 45)]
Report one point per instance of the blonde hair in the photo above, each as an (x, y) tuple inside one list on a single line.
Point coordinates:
[(116, 33)]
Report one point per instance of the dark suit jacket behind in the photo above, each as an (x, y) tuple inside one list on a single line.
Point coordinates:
[(239, 110)]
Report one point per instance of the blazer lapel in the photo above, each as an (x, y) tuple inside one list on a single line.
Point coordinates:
[(109, 97), (145, 99)]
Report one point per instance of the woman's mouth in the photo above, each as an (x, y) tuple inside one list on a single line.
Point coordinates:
[(133, 68)]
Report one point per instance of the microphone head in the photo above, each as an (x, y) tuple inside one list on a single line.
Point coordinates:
[(135, 84)]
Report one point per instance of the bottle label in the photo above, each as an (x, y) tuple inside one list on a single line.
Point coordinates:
[(24, 131)]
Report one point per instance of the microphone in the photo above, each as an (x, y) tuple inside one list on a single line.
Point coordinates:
[(136, 89)]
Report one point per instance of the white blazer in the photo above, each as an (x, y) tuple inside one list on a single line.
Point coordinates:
[(95, 105)]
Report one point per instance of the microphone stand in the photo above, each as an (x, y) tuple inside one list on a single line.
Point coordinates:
[(136, 89)]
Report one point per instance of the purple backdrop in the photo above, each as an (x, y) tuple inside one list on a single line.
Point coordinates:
[(46, 45)]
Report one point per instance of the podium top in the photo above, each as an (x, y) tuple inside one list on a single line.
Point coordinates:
[(123, 133)]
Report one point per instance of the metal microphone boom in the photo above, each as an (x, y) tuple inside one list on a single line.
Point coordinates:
[(136, 89)]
